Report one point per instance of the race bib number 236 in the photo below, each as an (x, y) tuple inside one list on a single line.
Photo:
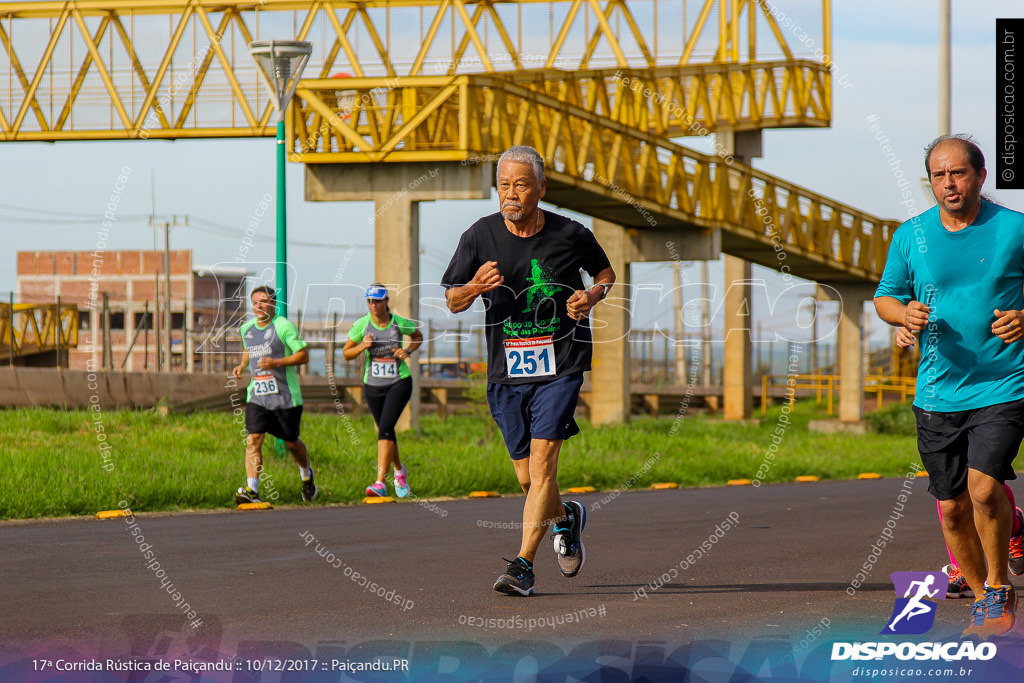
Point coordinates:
[(264, 385), (534, 357)]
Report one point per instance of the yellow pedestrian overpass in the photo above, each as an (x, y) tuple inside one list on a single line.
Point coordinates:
[(37, 334), (412, 100)]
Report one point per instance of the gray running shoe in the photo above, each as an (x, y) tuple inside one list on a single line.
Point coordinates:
[(569, 539)]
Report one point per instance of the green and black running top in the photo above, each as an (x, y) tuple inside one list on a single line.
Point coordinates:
[(382, 368), (275, 389)]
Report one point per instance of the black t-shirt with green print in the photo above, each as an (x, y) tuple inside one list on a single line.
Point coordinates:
[(530, 336)]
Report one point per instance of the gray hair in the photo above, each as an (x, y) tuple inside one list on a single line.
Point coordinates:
[(974, 155), (523, 154)]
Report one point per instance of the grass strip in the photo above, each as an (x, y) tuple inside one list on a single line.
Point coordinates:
[(53, 466)]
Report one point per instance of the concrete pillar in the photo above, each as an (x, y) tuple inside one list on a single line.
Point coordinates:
[(851, 360), (738, 400), (610, 394), (397, 265), (609, 379), (744, 145), (396, 190), (851, 298)]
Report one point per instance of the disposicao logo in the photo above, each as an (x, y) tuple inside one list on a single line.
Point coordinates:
[(914, 612)]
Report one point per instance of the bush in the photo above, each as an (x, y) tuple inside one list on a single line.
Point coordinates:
[(897, 419)]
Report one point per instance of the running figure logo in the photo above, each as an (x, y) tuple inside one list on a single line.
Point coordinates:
[(914, 612)]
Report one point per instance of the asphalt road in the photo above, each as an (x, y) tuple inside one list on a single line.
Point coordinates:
[(776, 567)]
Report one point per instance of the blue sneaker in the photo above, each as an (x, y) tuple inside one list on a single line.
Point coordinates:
[(978, 612), (376, 490), (517, 579), (401, 485), (569, 539), (1000, 617)]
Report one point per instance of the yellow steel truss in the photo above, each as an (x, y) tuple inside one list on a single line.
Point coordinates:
[(696, 100), (475, 117), (92, 69), (36, 328)]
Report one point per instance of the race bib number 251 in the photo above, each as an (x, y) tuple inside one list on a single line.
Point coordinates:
[(534, 357)]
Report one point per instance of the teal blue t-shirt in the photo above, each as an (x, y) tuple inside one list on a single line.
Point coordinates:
[(963, 276)]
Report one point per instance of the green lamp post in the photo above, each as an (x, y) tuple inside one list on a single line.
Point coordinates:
[(281, 63)]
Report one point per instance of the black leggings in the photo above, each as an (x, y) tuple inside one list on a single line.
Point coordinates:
[(386, 404)]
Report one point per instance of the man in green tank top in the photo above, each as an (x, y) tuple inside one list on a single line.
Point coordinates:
[(273, 351)]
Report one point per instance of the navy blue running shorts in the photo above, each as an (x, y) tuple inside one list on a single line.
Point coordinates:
[(284, 424), (538, 410), (984, 439)]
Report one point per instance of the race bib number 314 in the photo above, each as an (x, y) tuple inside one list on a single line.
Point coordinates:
[(384, 368), (534, 357)]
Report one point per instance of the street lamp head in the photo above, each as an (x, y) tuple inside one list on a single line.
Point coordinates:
[(281, 63)]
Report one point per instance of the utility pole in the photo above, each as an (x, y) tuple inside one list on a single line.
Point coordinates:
[(815, 362), (705, 325), (760, 338), (945, 86), (677, 308), (945, 119), (154, 222)]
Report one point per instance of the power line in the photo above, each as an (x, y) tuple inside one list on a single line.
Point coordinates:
[(215, 228), (21, 220), (28, 209), (209, 226)]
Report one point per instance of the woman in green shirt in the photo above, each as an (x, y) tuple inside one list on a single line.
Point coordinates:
[(377, 337)]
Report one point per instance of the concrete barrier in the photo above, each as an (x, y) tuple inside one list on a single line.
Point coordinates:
[(22, 387)]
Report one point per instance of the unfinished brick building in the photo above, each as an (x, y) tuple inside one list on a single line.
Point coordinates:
[(134, 285)]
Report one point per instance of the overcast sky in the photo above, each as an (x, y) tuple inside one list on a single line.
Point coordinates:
[(885, 56)]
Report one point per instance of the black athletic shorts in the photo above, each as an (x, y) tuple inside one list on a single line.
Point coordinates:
[(537, 410), (984, 439), (284, 424)]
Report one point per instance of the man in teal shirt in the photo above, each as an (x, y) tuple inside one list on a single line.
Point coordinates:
[(273, 349), (955, 275)]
